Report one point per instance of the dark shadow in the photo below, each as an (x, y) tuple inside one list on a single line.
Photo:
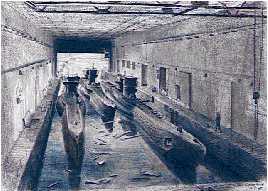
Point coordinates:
[(127, 126), (188, 174), (34, 166), (75, 151), (223, 171), (75, 165), (185, 173), (73, 129), (108, 118)]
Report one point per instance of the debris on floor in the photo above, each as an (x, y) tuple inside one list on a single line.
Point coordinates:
[(121, 135), (100, 141), (101, 131), (129, 137), (140, 178), (120, 121), (113, 175), (100, 162), (103, 141), (67, 170), (151, 173), (99, 181), (101, 153), (94, 126), (53, 184)]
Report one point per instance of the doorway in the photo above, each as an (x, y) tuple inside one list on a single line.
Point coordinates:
[(237, 107), (118, 66), (178, 92), (144, 73), (184, 90), (190, 90), (162, 78)]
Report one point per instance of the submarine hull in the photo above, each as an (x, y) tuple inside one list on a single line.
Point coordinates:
[(173, 143), (73, 127), (104, 106)]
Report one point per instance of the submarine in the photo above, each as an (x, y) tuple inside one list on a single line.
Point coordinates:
[(172, 142), (71, 108), (104, 106)]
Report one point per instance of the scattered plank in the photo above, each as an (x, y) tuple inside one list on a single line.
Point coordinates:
[(123, 134), (101, 131), (103, 141), (99, 181), (129, 137), (113, 175), (53, 184), (68, 171), (100, 162), (140, 178), (151, 173)]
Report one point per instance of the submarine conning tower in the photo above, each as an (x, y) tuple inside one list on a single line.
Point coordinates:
[(120, 82), (130, 87), (71, 83), (92, 74)]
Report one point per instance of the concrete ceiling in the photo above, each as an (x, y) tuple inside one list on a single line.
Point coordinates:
[(105, 20)]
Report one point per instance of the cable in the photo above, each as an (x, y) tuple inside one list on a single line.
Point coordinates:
[(254, 54), (261, 50), (194, 35), (255, 93), (257, 89)]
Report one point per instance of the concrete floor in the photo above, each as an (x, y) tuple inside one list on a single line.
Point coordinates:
[(125, 160)]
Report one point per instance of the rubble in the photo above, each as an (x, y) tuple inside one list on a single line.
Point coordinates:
[(121, 135), (100, 162), (151, 173), (53, 184), (101, 131), (129, 137), (68, 171), (99, 143), (113, 175), (99, 181), (101, 140), (140, 178)]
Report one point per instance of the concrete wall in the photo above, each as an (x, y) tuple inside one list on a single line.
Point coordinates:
[(26, 64), (217, 53)]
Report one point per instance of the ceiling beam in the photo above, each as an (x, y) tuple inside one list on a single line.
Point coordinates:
[(125, 3), (166, 9), (147, 13)]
